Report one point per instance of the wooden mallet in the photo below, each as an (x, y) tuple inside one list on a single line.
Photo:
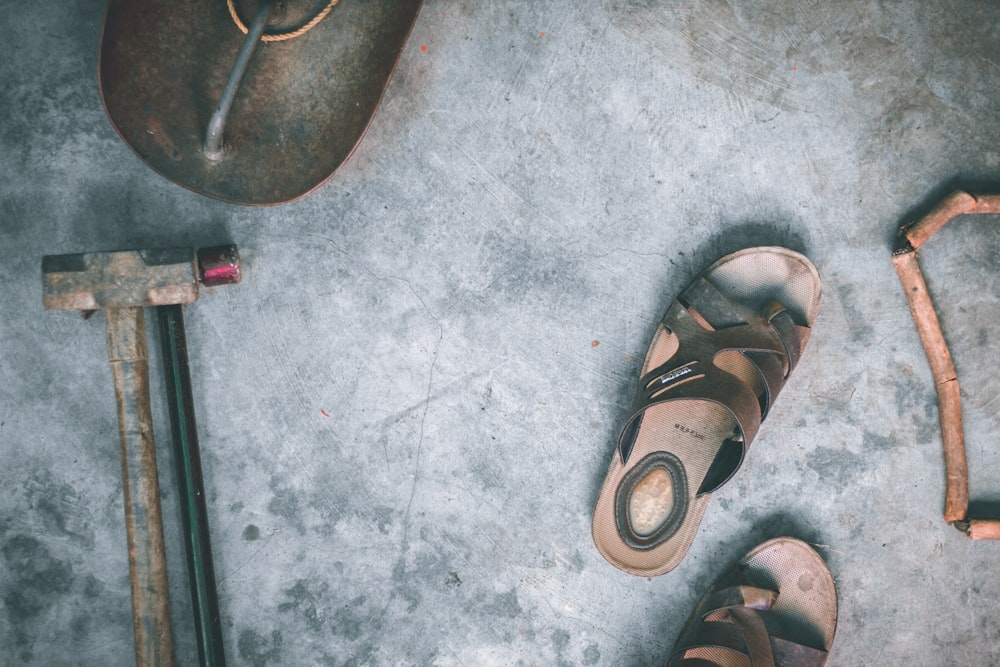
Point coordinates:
[(122, 284)]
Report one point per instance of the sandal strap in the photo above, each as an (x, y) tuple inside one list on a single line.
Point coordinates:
[(789, 653), (743, 631), (775, 362), (772, 344), (733, 597), (716, 634), (755, 635), (746, 633)]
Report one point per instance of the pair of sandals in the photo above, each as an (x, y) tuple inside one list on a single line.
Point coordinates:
[(718, 359)]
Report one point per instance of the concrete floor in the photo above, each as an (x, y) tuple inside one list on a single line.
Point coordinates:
[(429, 358)]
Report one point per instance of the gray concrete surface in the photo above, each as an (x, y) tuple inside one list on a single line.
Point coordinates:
[(423, 374)]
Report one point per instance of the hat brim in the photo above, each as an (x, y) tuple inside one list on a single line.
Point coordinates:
[(299, 113)]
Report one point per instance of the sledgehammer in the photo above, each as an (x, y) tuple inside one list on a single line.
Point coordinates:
[(122, 284)]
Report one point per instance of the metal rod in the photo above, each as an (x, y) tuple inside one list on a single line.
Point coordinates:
[(147, 559), (194, 515), (214, 148)]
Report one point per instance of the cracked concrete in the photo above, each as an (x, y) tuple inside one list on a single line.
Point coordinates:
[(407, 408)]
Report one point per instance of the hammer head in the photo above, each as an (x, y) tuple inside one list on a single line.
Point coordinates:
[(134, 278)]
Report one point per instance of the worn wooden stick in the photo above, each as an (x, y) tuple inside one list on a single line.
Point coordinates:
[(942, 367)]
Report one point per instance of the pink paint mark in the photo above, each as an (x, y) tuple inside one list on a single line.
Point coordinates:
[(325, 413), (221, 275)]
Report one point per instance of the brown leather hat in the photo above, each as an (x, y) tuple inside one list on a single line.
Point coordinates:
[(300, 111)]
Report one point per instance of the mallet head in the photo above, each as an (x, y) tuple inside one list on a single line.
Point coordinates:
[(134, 278)]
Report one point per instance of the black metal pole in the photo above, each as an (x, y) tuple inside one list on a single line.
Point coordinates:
[(204, 597)]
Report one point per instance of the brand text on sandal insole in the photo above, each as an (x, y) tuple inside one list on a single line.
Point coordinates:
[(673, 375), (685, 429)]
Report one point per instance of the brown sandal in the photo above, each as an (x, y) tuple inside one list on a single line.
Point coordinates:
[(721, 354), (777, 607)]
